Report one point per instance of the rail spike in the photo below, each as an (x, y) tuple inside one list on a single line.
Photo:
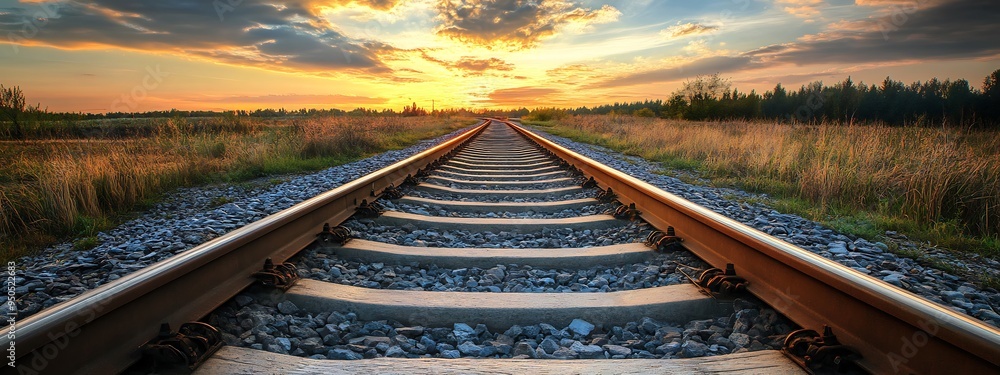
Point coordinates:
[(411, 180), (627, 212), (392, 192), (190, 346), (369, 210), (722, 284), (280, 276), (821, 354), (339, 234), (664, 241), (607, 196)]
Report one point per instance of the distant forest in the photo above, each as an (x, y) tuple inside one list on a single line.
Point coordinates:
[(932, 102)]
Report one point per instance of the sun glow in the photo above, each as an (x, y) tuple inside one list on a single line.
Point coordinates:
[(388, 53)]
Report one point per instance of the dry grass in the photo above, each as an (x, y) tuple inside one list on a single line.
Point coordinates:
[(938, 184), (50, 189)]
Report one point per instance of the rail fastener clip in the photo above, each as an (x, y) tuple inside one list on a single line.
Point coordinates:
[(821, 354), (190, 346), (279, 276)]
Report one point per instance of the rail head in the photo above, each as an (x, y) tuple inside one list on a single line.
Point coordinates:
[(896, 331), (102, 330)]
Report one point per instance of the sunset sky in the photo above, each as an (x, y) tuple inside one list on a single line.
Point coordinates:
[(127, 55)]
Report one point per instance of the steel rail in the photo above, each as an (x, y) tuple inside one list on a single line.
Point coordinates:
[(102, 330), (894, 330)]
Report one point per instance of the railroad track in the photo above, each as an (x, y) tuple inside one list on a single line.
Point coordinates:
[(499, 243)]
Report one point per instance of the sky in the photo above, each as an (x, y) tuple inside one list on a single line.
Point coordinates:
[(125, 55)]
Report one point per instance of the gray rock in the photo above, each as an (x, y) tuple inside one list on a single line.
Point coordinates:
[(523, 348), (302, 332), (649, 326), (616, 350), (312, 345), (564, 353), (531, 331), (343, 354), (588, 351), (669, 348), (284, 342), (463, 332), (692, 349), (549, 345), (894, 279), (739, 339), (410, 331), (513, 331), (837, 248), (581, 327), (287, 307), (451, 354), (395, 352), (489, 351), (375, 340), (470, 349)]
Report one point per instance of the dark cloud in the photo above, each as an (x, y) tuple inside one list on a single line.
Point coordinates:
[(951, 30), (705, 66), (513, 24), (254, 32)]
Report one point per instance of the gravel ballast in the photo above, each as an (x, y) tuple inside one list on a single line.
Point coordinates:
[(257, 321), (663, 269), (547, 238), (437, 210), (191, 216)]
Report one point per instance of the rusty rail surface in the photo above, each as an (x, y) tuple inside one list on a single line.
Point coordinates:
[(101, 331), (895, 331)]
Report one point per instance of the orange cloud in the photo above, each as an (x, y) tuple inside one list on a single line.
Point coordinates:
[(801, 8), (685, 29), (318, 5), (520, 96)]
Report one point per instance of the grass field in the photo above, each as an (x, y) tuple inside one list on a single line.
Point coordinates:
[(72, 184), (932, 184)]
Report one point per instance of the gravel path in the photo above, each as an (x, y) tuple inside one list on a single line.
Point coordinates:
[(437, 210), (254, 320), (459, 175), (547, 238), (664, 269), (585, 193), (474, 186)]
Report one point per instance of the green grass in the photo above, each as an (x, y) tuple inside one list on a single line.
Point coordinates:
[(990, 282), (86, 243), (219, 201)]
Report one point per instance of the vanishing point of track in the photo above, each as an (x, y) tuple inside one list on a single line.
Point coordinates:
[(878, 328)]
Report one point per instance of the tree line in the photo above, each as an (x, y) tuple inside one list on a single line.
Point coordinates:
[(932, 102), (20, 121)]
